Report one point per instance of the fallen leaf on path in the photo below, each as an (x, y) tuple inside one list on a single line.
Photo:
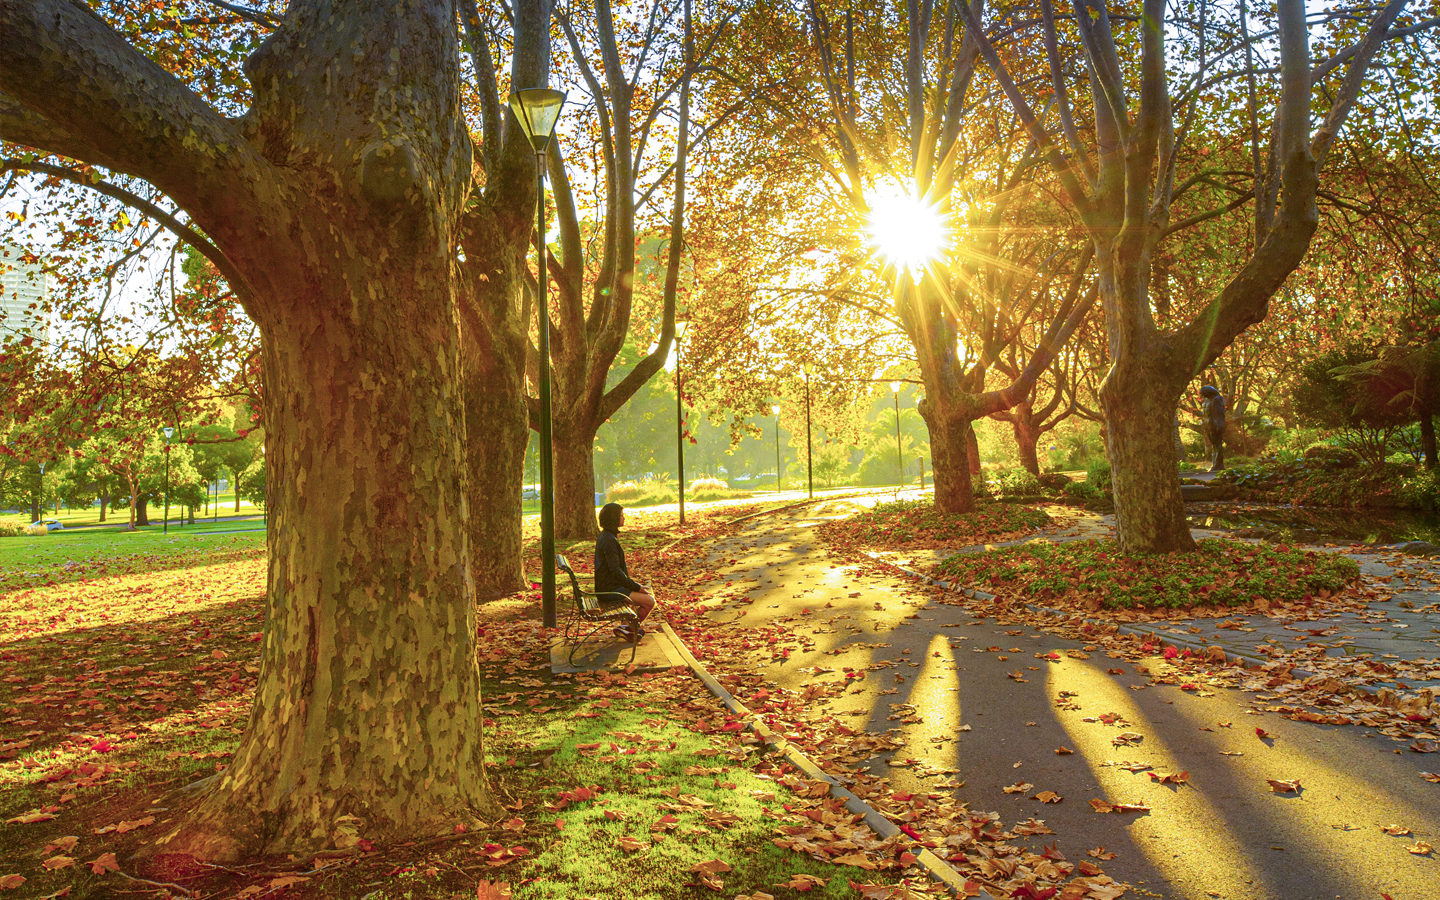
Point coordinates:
[(1104, 806), (1432, 777), (1423, 746), (1048, 797), (1172, 778), (804, 882), (103, 863), (64, 844), (1284, 787), (1420, 849), (1127, 738), (1101, 853), (1063, 751), (1018, 787), (1395, 830), (491, 890), (1264, 735)]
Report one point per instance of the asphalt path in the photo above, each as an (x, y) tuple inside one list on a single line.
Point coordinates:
[(980, 705)]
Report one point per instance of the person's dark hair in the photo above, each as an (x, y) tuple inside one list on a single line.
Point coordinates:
[(610, 516), (1209, 391)]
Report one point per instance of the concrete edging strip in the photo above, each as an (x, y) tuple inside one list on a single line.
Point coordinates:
[(936, 867)]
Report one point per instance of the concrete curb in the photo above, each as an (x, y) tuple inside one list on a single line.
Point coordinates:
[(935, 867)]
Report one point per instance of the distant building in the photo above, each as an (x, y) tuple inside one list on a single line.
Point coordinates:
[(22, 285)]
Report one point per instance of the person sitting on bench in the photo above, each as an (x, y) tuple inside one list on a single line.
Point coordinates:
[(611, 575)]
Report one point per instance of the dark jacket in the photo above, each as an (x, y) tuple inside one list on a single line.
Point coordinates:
[(610, 572)]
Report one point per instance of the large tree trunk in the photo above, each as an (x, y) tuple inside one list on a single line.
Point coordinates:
[(368, 703), (1149, 511), (494, 367), (332, 207), (952, 437), (104, 501), (1027, 435), (142, 510), (574, 481)]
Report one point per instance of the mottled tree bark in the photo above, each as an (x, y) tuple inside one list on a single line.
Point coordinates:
[(332, 205), (952, 445)]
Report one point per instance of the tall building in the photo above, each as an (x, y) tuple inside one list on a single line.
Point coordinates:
[(21, 285)]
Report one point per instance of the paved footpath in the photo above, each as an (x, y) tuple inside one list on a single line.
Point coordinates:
[(981, 705)]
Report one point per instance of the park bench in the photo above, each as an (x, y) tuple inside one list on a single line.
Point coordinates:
[(594, 613)]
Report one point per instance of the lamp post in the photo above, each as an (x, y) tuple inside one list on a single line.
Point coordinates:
[(775, 408), (169, 433), (809, 447), (537, 110), (40, 496), (899, 458), (680, 417)]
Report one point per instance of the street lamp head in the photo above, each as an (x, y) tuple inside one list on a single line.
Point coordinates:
[(168, 432), (895, 387), (775, 408), (537, 110)]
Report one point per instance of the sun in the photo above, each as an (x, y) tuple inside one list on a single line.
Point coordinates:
[(906, 231)]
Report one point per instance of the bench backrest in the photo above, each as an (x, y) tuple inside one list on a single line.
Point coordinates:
[(584, 601)]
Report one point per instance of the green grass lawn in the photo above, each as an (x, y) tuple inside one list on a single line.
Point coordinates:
[(71, 518)]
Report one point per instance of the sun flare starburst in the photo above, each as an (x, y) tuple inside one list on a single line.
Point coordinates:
[(906, 231)]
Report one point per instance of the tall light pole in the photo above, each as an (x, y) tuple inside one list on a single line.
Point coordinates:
[(537, 110), (680, 416), (809, 448), (899, 458), (775, 408), (40, 496), (169, 433)]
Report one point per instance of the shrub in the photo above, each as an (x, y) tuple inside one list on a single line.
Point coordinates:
[(1420, 491), (1055, 481), (1336, 458), (707, 488), (1016, 483), (14, 529), (646, 493), (36, 529), (1082, 490), (1097, 474)]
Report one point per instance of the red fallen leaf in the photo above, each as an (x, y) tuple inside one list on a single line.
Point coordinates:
[(64, 844), (489, 890), (101, 747), (1028, 892), (803, 882), (365, 846), (58, 862), (1171, 653), (1052, 852), (1172, 778), (1263, 735), (103, 863), (11, 881), (515, 824)]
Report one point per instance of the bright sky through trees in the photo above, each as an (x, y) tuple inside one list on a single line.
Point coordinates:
[(906, 231)]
